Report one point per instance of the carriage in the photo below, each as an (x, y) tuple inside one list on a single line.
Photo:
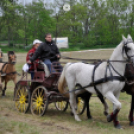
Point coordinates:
[(42, 90)]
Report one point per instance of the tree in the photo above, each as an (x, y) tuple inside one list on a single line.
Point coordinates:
[(8, 8)]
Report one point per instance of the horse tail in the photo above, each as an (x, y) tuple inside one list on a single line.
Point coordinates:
[(62, 82)]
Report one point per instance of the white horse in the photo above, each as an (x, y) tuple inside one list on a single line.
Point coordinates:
[(80, 73)]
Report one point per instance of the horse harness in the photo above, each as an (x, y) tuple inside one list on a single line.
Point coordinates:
[(108, 67), (106, 78), (10, 73)]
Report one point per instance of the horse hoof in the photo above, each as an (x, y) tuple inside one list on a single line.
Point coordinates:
[(71, 114), (109, 118), (90, 118), (77, 118), (118, 126), (105, 113), (132, 123)]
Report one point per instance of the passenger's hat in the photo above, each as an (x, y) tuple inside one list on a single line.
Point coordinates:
[(36, 41)]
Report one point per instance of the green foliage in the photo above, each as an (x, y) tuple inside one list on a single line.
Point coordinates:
[(21, 33), (89, 22)]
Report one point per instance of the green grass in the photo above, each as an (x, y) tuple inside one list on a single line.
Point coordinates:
[(71, 48), (4, 42), (17, 127), (56, 122), (79, 48), (5, 49)]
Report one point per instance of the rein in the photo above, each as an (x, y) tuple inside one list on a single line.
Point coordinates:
[(109, 66), (6, 62), (102, 80), (94, 60), (10, 73)]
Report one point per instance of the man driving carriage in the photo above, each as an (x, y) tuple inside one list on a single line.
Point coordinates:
[(48, 52)]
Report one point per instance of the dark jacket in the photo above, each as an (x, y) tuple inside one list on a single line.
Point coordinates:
[(46, 50)]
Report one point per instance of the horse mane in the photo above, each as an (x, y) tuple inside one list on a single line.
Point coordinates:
[(11, 52)]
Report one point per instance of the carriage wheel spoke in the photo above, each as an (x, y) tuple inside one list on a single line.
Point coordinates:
[(22, 101), (24, 107), (34, 106), (38, 91), (38, 101), (18, 92), (17, 104), (61, 106), (33, 99), (41, 93), (63, 103)]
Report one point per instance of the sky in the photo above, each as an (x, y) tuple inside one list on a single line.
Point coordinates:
[(30, 1), (24, 2)]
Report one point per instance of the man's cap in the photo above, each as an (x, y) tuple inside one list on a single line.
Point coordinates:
[(36, 41)]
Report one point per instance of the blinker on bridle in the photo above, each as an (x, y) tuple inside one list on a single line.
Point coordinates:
[(126, 49)]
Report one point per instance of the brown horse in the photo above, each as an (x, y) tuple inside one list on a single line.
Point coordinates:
[(8, 71), (1, 57)]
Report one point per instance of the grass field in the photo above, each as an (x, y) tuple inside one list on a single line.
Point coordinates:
[(55, 122), (72, 47)]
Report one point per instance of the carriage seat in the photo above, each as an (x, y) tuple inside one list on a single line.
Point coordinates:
[(43, 67)]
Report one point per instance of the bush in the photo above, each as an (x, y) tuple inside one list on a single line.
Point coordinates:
[(10, 44)]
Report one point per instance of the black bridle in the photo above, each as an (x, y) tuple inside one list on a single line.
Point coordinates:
[(128, 60), (109, 66), (111, 77), (126, 49), (10, 60)]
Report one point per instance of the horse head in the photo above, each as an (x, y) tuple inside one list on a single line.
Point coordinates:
[(11, 57), (128, 49)]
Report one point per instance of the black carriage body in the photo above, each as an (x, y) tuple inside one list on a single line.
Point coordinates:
[(40, 78)]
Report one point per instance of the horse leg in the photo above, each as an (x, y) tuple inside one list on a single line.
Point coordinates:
[(72, 101), (104, 104), (87, 99), (3, 91), (75, 107), (0, 84), (115, 120), (131, 119), (117, 107), (1, 64), (15, 81)]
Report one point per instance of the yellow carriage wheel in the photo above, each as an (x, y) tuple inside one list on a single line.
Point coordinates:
[(81, 105), (61, 106), (39, 101), (22, 98)]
